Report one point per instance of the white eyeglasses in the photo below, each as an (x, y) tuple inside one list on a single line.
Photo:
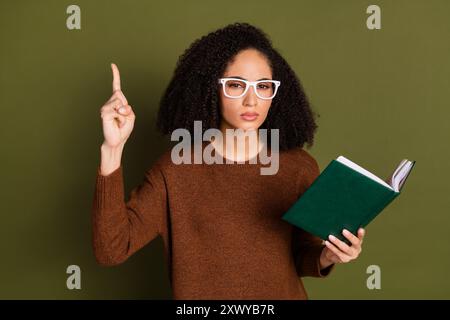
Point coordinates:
[(237, 88)]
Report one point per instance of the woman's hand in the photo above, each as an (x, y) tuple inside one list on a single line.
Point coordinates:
[(337, 251), (117, 115)]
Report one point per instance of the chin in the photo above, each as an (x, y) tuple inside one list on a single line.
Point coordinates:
[(248, 126)]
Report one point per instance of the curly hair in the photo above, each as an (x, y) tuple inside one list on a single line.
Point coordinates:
[(206, 60)]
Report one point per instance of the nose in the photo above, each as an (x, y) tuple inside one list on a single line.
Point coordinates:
[(250, 98)]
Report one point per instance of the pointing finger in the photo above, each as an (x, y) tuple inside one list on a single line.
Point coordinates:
[(118, 95), (116, 78)]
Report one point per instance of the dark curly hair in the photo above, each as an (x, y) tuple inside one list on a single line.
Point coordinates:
[(206, 60)]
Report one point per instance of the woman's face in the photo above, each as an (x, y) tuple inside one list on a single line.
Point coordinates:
[(249, 111)]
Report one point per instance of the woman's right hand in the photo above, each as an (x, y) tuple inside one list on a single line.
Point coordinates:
[(117, 115)]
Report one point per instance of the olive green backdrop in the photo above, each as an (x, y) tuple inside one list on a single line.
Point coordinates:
[(382, 96)]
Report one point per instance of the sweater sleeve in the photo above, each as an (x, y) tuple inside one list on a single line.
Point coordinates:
[(121, 228), (307, 248)]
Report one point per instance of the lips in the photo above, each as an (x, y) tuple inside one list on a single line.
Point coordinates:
[(249, 116)]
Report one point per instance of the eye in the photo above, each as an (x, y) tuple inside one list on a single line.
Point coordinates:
[(264, 86), (235, 84)]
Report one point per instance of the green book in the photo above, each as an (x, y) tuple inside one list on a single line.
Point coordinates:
[(345, 195)]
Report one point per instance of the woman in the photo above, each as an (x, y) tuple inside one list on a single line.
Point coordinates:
[(221, 223)]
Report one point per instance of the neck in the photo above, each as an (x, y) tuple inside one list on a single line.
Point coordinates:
[(240, 145)]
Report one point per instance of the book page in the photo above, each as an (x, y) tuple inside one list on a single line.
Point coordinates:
[(363, 171), (400, 175)]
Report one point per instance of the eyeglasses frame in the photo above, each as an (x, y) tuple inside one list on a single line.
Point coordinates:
[(249, 84)]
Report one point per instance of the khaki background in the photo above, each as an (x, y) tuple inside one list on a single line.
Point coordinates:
[(382, 96)]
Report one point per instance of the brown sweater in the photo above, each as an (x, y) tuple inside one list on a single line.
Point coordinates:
[(221, 226)]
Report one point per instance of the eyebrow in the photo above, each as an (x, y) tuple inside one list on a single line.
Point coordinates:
[(247, 79)]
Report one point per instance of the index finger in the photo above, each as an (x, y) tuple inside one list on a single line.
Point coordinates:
[(116, 78), (361, 233), (351, 237)]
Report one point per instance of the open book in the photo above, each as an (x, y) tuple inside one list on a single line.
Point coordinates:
[(345, 195), (394, 182)]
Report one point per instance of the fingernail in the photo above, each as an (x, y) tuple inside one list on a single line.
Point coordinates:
[(331, 237), (345, 231), (122, 110)]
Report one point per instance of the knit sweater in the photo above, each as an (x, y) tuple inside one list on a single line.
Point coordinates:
[(220, 223)]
